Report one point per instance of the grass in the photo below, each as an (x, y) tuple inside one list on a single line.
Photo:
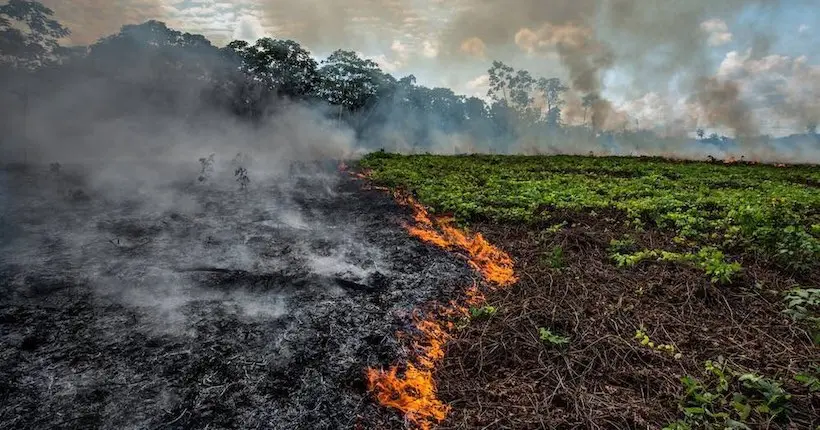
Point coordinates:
[(758, 209), (682, 294)]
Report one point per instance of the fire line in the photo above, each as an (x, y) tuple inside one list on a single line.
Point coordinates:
[(413, 391)]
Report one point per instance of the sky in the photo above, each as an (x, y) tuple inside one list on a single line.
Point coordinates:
[(698, 63)]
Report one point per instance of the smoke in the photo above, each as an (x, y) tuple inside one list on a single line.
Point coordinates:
[(657, 43), (720, 101), (130, 210)]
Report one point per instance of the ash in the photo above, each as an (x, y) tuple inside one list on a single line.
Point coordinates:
[(197, 304)]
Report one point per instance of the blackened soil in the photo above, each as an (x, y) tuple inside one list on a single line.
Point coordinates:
[(211, 308)]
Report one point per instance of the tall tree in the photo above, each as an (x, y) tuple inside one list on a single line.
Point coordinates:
[(350, 81), (283, 66), (500, 76), (552, 90), (28, 34)]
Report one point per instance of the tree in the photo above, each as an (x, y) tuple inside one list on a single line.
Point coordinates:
[(552, 90), (811, 128), (500, 76), (35, 43), (283, 66), (700, 133), (351, 82)]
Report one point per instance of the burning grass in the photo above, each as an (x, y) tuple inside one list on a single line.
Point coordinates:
[(413, 392)]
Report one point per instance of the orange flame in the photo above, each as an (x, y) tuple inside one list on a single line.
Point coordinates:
[(414, 391)]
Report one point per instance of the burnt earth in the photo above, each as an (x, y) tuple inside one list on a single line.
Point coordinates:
[(257, 309)]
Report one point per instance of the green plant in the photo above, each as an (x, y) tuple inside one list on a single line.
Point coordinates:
[(643, 338), (803, 306), (759, 209), (555, 258), (730, 399), (549, 337), (622, 246), (810, 379), (555, 228), (482, 312), (708, 259)]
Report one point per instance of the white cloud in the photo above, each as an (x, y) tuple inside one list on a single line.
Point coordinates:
[(249, 29), (384, 63), (718, 32), (400, 49), (477, 87), (804, 28), (429, 49)]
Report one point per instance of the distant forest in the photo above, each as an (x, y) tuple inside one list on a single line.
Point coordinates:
[(150, 67)]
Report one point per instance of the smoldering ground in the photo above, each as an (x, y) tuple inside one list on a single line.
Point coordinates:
[(146, 285)]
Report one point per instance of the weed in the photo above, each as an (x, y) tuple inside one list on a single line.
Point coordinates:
[(730, 399), (555, 259), (549, 337), (803, 306), (644, 340), (708, 259), (484, 312), (810, 379)]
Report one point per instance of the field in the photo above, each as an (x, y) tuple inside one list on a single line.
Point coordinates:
[(650, 292), (410, 292)]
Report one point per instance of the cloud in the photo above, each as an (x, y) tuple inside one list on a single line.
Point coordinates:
[(478, 86), (384, 63), (249, 29), (352, 24), (429, 49), (804, 28), (717, 30), (400, 49), (473, 46)]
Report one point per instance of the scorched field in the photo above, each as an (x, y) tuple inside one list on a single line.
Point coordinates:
[(503, 292)]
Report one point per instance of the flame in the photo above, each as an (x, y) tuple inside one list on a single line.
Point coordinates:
[(413, 391), (495, 265)]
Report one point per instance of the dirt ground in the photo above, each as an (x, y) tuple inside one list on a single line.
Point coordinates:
[(498, 374), (191, 305)]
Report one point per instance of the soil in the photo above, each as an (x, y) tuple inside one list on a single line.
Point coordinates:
[(499, 374), (196, 305)]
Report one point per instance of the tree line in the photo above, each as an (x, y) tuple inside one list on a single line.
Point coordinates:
[(172, 70), (150, 66)]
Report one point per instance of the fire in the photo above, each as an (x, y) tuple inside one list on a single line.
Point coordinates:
[(495, 265), (413, 392)]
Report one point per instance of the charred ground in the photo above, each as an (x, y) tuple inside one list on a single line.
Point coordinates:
[(255, 309)]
